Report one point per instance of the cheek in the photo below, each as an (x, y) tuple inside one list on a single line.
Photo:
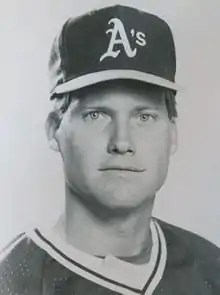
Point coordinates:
[(82, 147), (154, 145), (155, 154)]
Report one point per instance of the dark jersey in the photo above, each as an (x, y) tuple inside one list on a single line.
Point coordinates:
[(42, 263)]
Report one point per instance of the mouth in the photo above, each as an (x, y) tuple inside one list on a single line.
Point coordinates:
[(121, 168)]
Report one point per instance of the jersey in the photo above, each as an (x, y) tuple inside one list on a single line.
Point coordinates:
[(41, 262)]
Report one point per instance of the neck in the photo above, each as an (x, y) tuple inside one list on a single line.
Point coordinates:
[(100, 231)]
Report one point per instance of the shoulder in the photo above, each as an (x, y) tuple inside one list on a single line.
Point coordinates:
[(189, 253), (176, 236), (21, 265)]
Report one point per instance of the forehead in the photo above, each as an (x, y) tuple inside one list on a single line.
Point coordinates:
[(128, 93)]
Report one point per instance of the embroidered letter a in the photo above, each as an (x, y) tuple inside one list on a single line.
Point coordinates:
[(123, 40)]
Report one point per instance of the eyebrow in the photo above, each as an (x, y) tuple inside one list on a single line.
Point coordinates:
[(107, 109), (141, 108)]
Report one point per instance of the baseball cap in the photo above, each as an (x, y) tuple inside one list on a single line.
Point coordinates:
[(115, 42)]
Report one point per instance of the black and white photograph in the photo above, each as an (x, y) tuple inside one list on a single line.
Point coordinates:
[(110, 140)]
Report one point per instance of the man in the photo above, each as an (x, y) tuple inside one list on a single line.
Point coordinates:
[(113, 87)]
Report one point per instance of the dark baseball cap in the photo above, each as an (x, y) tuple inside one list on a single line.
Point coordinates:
[(115, 42)]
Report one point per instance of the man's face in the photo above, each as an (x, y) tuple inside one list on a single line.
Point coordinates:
[(116, 143)]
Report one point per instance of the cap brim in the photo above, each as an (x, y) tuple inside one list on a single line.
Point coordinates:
[(107, 75)]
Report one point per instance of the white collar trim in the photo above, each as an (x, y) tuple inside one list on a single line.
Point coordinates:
[(110, 272)]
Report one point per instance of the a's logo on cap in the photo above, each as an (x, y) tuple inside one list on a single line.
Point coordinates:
[(118, 29)]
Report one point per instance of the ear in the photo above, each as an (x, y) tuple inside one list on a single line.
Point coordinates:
[(174, 137), (51, 126)]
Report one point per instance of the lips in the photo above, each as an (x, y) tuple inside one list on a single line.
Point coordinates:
[(121, 168)]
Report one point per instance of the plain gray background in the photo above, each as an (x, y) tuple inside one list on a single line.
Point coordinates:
[(31, 180)]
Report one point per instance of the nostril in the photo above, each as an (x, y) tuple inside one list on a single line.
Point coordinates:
[(121, 148)]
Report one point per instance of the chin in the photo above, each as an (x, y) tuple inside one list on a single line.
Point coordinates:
[(122, 197)]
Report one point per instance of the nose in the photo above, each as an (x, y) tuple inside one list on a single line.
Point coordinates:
[(120, 142)]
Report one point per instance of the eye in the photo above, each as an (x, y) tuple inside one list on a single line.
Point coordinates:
[(93, 115), (144, 117)]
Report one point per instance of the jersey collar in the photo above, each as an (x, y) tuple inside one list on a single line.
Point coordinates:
[(112, 273)]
